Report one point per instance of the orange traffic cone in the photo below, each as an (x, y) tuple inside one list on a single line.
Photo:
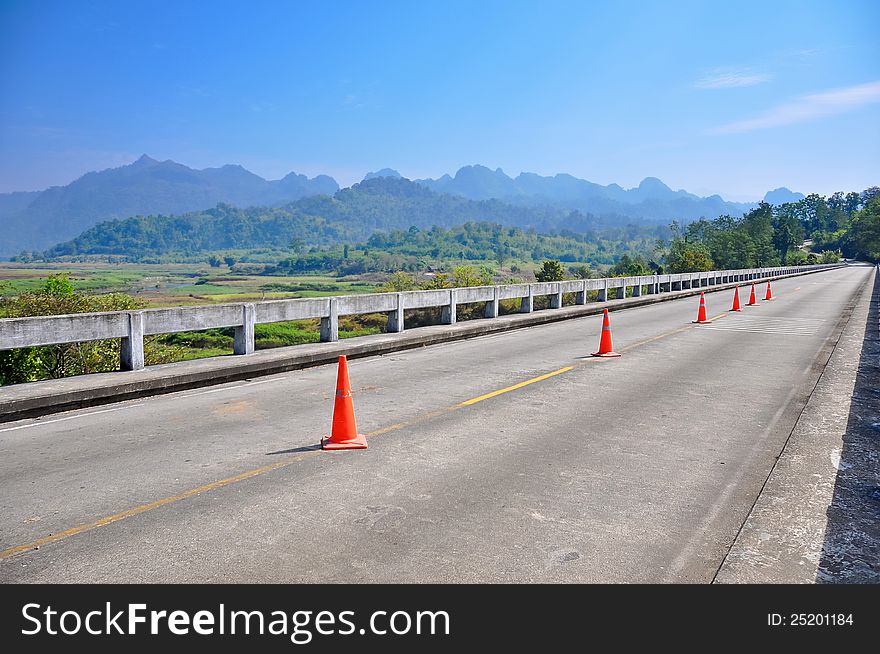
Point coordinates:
[(769, 295), (344, 435), (736, 299), (701, 314), (606, 349), (752, 300)]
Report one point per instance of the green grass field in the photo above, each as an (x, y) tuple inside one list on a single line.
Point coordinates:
[(162, 285)]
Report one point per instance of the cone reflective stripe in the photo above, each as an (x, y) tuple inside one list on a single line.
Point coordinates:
[(344, 435), (736, 299), (701, 314), (606, 349), (752, 297), (769, 294)]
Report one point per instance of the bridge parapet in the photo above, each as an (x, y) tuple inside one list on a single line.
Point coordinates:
[(132, 326)]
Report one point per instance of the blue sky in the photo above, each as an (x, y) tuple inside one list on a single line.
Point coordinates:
[(729, 97)]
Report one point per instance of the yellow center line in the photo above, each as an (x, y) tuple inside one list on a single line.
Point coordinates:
[(516, 386), (116, 517)]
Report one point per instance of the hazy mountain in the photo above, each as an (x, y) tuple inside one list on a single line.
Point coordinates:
[(12, 202), (37, 220), (385, 172), (782, 195), (652, 200), (381, 204)]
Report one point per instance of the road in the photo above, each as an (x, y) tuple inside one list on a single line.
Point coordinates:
[(636, 469)]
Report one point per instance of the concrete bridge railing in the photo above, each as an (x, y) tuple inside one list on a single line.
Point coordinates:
[(132, 326)]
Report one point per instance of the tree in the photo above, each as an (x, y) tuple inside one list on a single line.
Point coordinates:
[(629, 267), (438, 281), (399, 282), (471, 276), (869, 194), (550, 271), (582, 272), (788, 234), (863, 239), (296, 245), (58, 286), (687, 257), (229, 260), (215, 261)]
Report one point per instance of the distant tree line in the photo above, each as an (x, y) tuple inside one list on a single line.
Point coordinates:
[(417, 249), (844, 224)]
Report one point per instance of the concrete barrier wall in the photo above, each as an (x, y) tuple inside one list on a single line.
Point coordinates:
[(282, 310), (132, 326)]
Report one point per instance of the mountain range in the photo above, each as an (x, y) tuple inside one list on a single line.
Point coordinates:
[(37, 220), (352, 215)]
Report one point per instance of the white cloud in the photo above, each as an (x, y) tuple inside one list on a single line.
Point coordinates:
[(732, 78), (808, 107)]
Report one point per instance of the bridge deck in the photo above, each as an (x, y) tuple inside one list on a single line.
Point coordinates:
[(641, 468)]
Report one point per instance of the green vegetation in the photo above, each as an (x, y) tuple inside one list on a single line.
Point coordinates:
[(844, 224), (354, 215), (550, 271), (57, 296), (476, 243)]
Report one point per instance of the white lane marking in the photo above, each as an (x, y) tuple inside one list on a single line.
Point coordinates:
[(769, 325), (782, 320), (225, 388), (783, 332), (79, 415)]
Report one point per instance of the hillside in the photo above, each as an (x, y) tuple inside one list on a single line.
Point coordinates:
[(351, 215), (36, 221), (652, 200)]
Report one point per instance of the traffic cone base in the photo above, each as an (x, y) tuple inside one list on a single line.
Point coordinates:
[(606, 349), (359, 442), (344, 435)]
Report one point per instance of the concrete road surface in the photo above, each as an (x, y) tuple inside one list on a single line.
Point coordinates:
[(637, 469)]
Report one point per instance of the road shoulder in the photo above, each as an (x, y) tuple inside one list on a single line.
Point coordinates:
[(816, 517)]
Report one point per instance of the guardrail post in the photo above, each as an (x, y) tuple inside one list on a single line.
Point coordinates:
[(131, 349), (556, 298), (395, 318), (528, 302), (243, 337), (330, 324), (492, 305), (580, 297), (603, 292), (447, 313)]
